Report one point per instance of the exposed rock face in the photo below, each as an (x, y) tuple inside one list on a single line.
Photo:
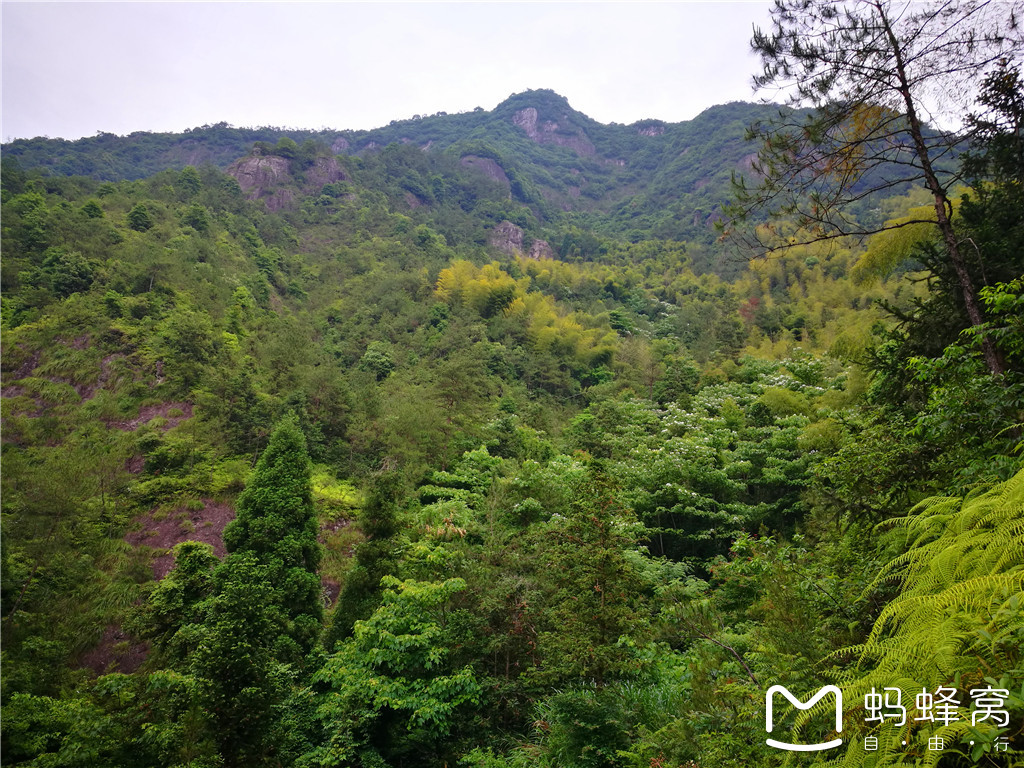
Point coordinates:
[(527, 120), (340, 145), (268, 177), (549, 132), (259, 172), (541, 250), (325, 170), (261, 177), (488, 167), (651, 129), (507, 237)]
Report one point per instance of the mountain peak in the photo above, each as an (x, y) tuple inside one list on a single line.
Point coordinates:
[(544, 100)]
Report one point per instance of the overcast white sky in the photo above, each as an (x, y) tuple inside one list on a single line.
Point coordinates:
[(73, 69)]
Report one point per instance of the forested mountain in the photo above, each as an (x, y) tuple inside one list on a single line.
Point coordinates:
[(650, 178), (468, 441)]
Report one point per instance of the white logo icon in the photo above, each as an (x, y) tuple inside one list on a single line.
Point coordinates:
[(800, 705)]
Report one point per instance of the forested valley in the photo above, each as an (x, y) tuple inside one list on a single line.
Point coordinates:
[(498, 439)]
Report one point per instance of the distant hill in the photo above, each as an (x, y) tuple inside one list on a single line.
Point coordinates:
[(651, 178), (648, 180)]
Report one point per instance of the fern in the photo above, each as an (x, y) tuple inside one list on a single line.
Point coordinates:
[(957, 622)]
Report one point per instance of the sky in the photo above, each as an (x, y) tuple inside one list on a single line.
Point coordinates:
[(75, 69)]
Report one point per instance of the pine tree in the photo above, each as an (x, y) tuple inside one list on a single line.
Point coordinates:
[(866, 67), (277, 524), (241, 631)]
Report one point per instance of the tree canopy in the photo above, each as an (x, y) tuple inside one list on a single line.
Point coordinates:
[(872, 72)]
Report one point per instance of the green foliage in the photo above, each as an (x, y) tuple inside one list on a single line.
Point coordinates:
[(62, 272), (240, 682), (375, 558), (287, 148), (377, 361), (697, 476), (595, 607), (587, 728), (188, 183), (1005, 302), (196, 217), (609, 497), (92, 209), (174, 602), (277, 524), (957, 620), (139, 218), (392, 686)]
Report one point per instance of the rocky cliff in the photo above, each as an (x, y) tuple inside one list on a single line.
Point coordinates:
[(270, 178)]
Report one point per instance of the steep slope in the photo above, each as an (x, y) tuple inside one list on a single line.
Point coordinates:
[(636, 180)]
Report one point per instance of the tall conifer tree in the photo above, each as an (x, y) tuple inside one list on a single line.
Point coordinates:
[(277, 524)]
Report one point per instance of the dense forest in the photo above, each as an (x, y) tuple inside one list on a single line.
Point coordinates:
[(648, 179), (514, 439)]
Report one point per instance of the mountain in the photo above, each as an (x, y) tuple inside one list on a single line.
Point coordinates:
[(435, 445), (650, 178)]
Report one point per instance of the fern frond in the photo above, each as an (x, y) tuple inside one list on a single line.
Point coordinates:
[(959, 615)]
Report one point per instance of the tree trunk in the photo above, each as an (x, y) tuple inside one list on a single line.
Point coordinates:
[(941, 200)]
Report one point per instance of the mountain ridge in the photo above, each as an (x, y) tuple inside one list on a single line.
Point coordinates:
[(649, 179), (651, 175)]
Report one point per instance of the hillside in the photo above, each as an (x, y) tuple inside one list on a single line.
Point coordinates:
[(465, 441), (651, 178)]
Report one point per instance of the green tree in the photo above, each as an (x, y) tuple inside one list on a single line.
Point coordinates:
[(65, 272), (286, 147), (594, 593), (375, 558), (241, 682), (244, 414), (188, 183), (139, 218), (930, 369), (172, 605), (377, 360), (185, 343), (197, 217), (27, 222), (92, 209), (392, 686), (277, 524), (991, 213), (240, 630), (991, 228), (866, 68)]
